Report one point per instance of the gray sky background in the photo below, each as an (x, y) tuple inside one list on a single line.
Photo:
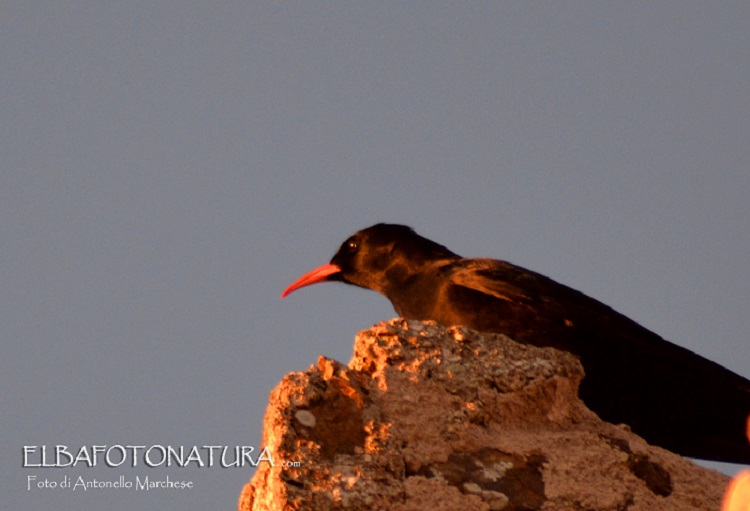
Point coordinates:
[(168, 168)]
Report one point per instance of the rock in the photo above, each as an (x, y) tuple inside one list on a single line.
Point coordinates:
[(427, 417)]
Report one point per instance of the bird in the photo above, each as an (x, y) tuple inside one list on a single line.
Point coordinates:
[(667, 394)]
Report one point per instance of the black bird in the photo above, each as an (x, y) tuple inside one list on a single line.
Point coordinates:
[(669, 395)]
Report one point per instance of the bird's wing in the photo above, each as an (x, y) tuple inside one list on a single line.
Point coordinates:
[(551, 301), (498, 279)]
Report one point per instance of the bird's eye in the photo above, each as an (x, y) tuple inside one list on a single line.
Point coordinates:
[(352, 245)]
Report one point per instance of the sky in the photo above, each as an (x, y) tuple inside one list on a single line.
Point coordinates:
[(168, 168)]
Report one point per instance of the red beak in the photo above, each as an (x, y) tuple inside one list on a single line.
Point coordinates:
[(312, 277)]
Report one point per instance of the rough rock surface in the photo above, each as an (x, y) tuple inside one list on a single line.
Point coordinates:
[(426, 417)]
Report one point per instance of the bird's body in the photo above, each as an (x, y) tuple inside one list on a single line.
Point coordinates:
[(671, 396)]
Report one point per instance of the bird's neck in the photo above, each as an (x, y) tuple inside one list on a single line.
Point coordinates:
[(412, 289)]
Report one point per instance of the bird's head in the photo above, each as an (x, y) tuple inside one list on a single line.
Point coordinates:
[(376, 258)]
